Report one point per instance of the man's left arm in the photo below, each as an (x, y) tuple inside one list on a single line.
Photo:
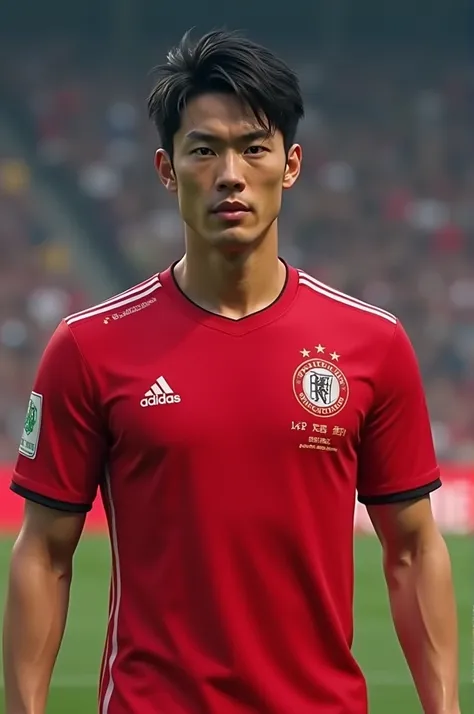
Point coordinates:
[(397, 472), (418, 574)]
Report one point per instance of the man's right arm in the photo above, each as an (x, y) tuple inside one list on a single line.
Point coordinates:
[(37, 604), (62, 459)]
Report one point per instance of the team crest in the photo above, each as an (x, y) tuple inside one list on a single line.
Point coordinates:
[(321, 387)]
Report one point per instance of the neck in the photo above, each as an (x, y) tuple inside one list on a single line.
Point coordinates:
[(232, 285)]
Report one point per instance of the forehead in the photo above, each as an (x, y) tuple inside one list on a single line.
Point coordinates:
[(222, 115)]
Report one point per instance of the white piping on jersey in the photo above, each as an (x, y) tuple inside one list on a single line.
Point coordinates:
[(338, 292), (131, 291), (108, 636), (106, 307), (345, 299), (118, 594)]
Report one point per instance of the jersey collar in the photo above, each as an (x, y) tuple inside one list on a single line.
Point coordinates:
[(225, 324)]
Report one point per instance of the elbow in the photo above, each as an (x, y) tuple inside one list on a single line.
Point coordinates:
[(404, 558), (37, 554), (396, 566)]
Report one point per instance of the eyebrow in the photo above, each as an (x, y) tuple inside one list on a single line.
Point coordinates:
[(196, 135)]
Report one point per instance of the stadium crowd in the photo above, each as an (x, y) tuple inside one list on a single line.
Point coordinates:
[(384, 211), (37, 288)]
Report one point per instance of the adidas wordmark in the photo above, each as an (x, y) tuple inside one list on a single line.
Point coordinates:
[(160, 392)]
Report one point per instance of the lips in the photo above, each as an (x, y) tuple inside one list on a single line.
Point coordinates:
[(231, 211), (231, 207)]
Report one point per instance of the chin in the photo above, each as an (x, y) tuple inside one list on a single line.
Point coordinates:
[(234, 235), (233, 239)]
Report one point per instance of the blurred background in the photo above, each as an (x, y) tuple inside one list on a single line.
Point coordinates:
[(384, 210)]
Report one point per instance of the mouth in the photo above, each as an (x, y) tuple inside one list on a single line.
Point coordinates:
[(231, 211)]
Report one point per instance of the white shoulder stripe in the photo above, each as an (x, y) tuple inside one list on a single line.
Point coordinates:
[(106, 307), (330, 289), (131, 291), (346, 301)]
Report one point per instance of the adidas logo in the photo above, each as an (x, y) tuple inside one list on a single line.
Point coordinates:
[(160, 393)]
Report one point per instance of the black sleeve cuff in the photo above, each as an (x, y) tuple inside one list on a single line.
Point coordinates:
[(402, 496), (49, 502)]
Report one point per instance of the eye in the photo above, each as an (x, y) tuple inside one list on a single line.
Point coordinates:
[(202, 151), (255, 150)]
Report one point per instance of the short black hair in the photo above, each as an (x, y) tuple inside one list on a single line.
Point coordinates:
[(226, 62)]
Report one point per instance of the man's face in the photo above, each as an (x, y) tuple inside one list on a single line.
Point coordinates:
[(227, 172)]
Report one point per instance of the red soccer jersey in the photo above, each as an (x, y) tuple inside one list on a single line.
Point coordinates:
[(229, 454)]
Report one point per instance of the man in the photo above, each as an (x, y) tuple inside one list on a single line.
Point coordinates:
[(229, 409)]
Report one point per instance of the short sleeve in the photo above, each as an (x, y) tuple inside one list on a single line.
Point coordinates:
[(62, 451), (397, 460)]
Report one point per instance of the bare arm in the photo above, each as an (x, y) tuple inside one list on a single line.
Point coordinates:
[(37, 604), (418, 574)]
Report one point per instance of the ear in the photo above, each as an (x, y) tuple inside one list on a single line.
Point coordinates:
[(165, 170), (293, 166)]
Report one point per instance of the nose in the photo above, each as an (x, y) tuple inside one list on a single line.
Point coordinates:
[(229, 176)]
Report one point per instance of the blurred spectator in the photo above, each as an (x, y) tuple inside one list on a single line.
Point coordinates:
[(36, 291), (384, 210)]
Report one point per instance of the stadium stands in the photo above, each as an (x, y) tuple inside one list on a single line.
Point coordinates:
[(384, 211), (37, 288)]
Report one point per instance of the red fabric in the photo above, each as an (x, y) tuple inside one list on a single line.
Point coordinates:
[(234, 450), (396, 451), (453, 505)]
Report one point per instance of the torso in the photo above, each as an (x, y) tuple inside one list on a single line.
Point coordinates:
[(231, 490)]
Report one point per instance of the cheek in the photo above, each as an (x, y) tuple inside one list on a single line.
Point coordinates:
[(190, 195), (270, 184), (271, 174)]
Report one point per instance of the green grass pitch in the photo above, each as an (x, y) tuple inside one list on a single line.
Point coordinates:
[(391, 691)]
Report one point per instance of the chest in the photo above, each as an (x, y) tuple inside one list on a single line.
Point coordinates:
[(282, 387)]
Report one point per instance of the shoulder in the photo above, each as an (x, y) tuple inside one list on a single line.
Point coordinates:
[(101, 332), (131, 302), (345, 311)]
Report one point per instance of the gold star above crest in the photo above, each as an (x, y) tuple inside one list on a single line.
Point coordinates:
[(320, 349), (305, 353), (335, 356)]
